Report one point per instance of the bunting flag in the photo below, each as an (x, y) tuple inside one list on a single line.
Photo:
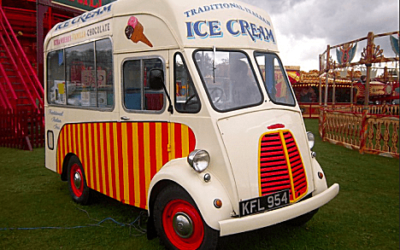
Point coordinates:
[(294, 76), (395, 44), (345, 54)]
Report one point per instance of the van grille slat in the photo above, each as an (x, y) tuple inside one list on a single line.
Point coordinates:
[(279, 171)]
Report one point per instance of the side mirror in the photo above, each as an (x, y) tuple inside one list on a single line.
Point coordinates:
[(156, 79), (156, 82)]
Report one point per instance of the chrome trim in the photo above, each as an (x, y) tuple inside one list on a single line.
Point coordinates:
[(313, 154), (207, 177), (192, 159), (183, 225), (77, 180), (310, 139)]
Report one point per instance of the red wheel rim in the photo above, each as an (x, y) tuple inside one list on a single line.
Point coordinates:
[(183, 208), (76, 180)]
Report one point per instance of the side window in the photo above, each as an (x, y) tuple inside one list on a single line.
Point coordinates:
[(81, 76), (81, 85), (105, 79), (133, 85), (275, 80), (186, 97), (139, 93), (56, 77)]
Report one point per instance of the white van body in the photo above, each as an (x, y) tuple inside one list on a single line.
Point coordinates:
[(235, 124)]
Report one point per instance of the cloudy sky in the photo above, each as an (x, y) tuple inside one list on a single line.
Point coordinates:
[(304, 28)]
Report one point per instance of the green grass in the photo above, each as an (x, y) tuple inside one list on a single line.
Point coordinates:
[(365, 214)]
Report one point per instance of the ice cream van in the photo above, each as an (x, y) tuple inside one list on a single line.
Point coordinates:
[(182, 108)]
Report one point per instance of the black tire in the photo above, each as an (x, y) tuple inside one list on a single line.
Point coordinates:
[(78, 188), (175, 208), (301, 220)]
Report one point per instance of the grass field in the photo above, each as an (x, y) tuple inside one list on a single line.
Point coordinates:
[(365, 214)]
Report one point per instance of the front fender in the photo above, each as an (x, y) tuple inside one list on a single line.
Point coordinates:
[(203, 193), (320, 185)]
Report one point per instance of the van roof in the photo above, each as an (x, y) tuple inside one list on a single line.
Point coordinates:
[(198, 23)]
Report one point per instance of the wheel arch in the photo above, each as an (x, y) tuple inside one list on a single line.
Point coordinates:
[(64, 172), (179, 173), (320, 184), (154, 192)]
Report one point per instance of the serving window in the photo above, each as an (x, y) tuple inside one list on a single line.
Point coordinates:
[(81, 76)]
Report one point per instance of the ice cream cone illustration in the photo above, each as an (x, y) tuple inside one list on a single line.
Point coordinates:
[(134, 31)]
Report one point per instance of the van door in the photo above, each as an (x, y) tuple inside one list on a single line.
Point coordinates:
[(142, 134)]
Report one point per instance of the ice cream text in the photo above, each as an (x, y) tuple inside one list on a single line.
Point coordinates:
[(214, 29), (85, 17)]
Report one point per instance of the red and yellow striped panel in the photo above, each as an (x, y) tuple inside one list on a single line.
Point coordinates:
[(120, 159)]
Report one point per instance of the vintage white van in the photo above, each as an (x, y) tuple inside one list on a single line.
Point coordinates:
[(182, 108)]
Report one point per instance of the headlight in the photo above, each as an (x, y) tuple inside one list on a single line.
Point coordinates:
[(199, 160), (311, 139)]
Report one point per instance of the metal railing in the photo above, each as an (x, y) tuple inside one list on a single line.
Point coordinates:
[(15, 54), (22, 129)]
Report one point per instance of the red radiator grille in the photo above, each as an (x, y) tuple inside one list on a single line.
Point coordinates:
[(281, 166)]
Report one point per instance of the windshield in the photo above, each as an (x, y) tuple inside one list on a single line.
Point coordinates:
[(274, 78), (229, 79)]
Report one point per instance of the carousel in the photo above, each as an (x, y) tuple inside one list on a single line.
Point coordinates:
[(358, 97), (346, 87), (306, 88)]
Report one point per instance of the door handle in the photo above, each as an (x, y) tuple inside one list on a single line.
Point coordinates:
[(125, 118)]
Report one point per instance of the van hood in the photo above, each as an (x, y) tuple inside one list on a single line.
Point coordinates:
[(268, 152)]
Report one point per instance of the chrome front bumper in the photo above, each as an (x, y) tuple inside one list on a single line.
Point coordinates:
[(256, 221)]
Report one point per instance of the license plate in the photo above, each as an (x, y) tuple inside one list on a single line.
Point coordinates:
[(264, 203)]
